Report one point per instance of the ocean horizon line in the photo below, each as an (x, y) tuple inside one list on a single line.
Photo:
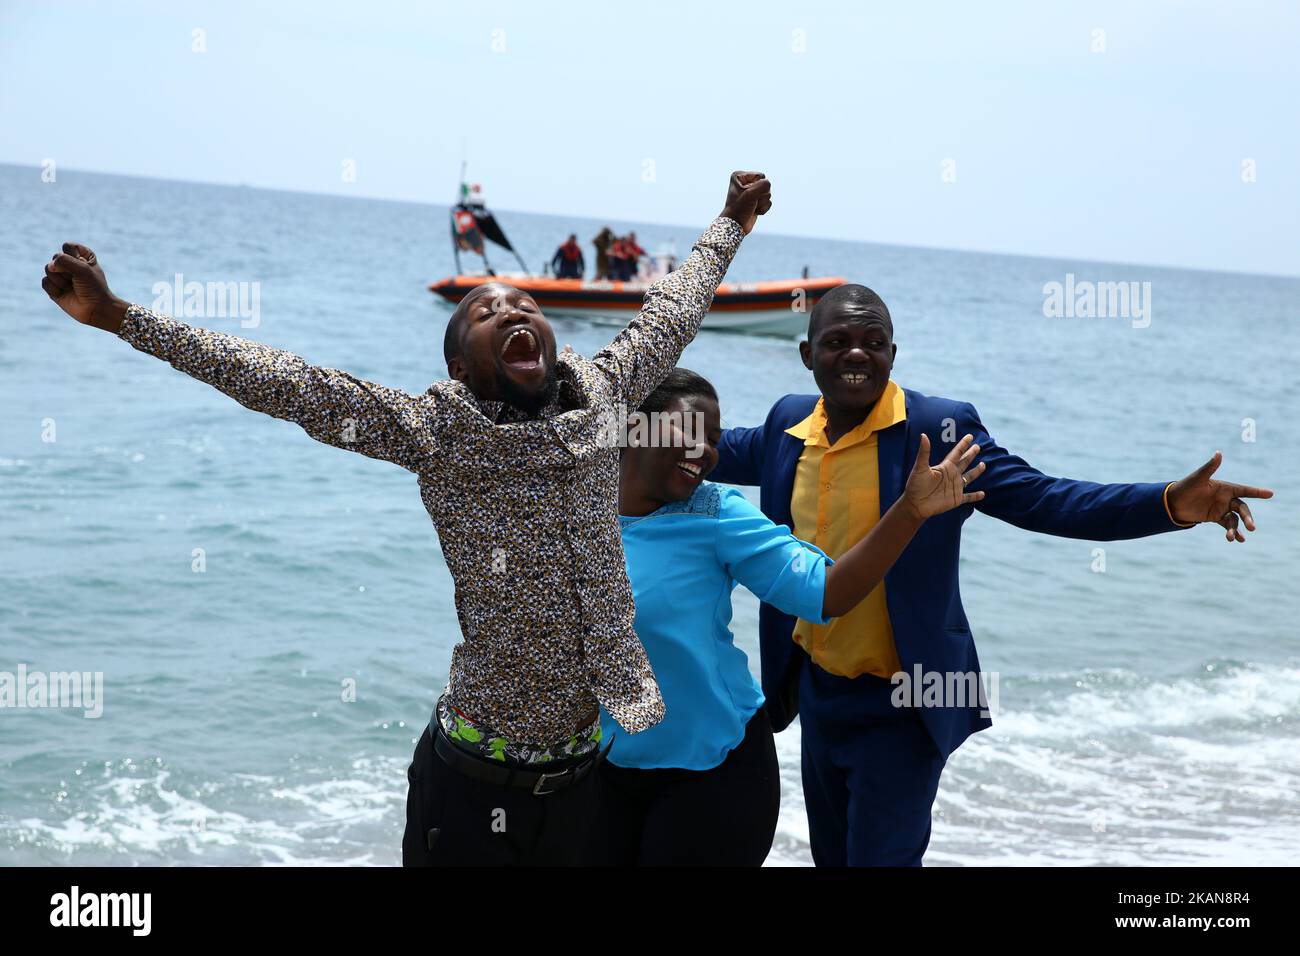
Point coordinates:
[(672, 225)]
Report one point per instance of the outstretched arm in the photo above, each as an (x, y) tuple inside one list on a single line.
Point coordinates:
[(1021, 495), (331, 406), (674, 306)]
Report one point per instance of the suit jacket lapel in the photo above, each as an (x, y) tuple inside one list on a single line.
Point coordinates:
[(891, 453), (894, 465), (785, 463), (788, 464)]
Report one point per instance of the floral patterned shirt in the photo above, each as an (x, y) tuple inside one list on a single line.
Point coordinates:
[(525, 508)]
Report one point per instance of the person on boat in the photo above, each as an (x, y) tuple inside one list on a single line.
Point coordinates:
[(522, 488), (829, 465), (702, 786), (567, 263), (617, 258), (632, 254), (602, 242)]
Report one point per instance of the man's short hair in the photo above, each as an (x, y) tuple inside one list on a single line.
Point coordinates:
[(852, 293), (451, 338)]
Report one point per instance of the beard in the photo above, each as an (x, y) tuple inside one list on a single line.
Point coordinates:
[(529, 402)]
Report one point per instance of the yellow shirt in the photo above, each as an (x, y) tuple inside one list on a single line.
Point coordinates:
[(835, 502)]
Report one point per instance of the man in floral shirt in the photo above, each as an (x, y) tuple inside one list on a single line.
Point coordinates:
[(516, 471)]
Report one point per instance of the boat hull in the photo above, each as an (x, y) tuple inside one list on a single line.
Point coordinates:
[(772, 308)]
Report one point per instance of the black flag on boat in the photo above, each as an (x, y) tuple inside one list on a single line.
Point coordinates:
[(490, 229)]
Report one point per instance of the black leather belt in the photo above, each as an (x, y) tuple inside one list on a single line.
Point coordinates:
[(487, 771)]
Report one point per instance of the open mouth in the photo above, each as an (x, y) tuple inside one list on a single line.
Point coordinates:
[(521, 350), (855, 378), (691, 470)]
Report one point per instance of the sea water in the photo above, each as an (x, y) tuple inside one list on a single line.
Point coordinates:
[(272, 618)]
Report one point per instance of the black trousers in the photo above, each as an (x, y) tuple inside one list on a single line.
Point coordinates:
[(720, 817), (455, 820)]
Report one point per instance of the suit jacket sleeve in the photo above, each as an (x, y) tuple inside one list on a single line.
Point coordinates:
[(1018, 493), (740, 456)]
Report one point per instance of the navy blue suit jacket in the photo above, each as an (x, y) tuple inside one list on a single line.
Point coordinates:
[(922, 590)]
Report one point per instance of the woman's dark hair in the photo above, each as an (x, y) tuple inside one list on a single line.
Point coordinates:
[(679, 383)]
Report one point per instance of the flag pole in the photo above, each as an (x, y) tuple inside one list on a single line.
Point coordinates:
[(455, 241)]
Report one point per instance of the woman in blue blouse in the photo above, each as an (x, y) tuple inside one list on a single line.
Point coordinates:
[(702, 786)]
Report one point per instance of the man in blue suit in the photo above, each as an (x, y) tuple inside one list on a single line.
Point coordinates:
[(874, 744)]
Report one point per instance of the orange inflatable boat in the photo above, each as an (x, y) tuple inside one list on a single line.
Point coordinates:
[(778, 307)]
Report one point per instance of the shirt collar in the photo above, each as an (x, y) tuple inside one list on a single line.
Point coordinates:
[(890, 409)]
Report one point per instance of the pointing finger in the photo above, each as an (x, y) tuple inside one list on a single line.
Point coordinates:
[(1248, 491)]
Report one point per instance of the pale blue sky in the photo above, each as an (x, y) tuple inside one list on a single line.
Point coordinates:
[(1130, 155)]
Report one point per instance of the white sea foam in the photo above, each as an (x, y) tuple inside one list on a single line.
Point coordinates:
[(148, 819), (1116, 770)]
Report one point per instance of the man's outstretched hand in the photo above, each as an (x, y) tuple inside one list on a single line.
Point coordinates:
[(1199, 497), (76, 283), (749, 195)]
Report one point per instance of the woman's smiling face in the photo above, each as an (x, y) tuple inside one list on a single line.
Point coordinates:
[(675, 448)]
